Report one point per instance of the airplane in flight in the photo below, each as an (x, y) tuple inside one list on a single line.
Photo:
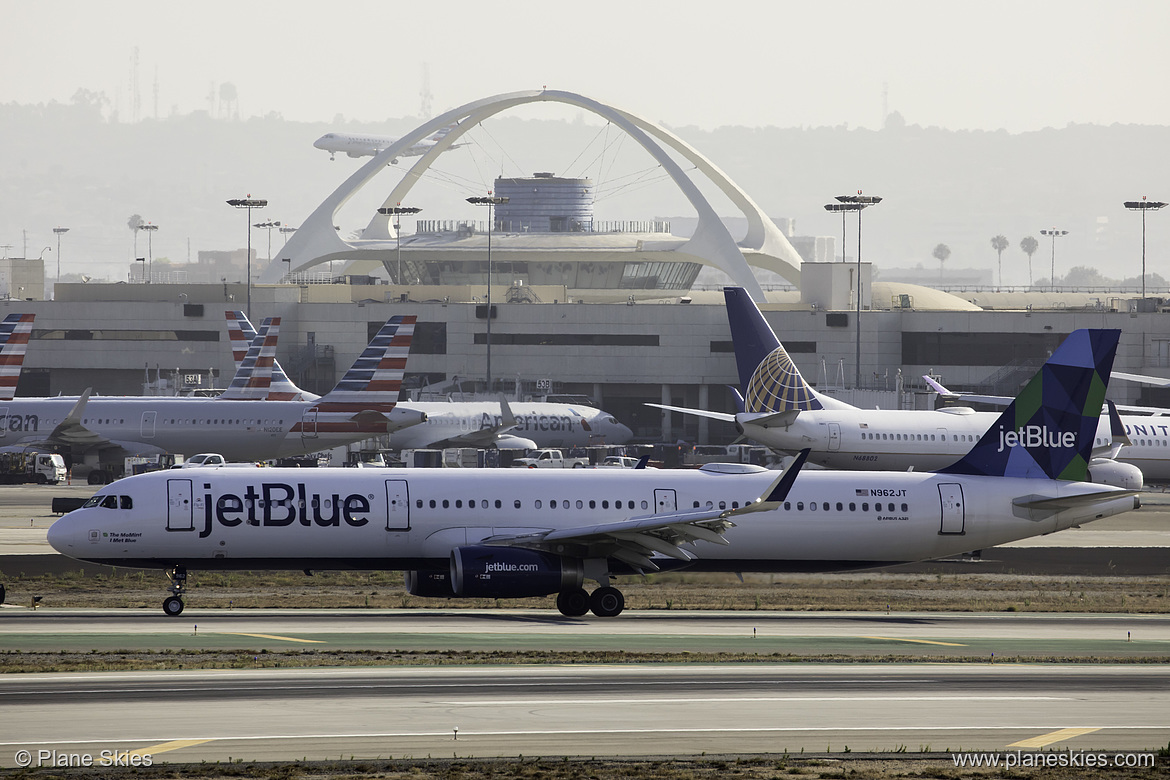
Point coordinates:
[(783, 412), (356, 145), (504, 425), (99, 432), (503, 533)]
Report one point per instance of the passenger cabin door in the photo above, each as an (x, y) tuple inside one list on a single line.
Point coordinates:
[(309, 424), (953, 513), (397, 505), (834, 437), (665, 501), (148, 422), (179, 513)]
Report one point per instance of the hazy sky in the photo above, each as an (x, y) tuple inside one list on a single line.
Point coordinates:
[(1015, 64)]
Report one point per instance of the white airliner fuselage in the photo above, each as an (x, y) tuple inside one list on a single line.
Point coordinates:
[(227, 518), (358, 145), (538, 424)]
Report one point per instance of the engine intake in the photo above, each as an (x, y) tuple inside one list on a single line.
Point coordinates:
[(1111, 472), (510, 572)]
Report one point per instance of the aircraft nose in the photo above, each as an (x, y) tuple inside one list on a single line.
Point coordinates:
[(60, 535)]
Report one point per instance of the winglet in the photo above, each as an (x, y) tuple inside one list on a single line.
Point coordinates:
[(1048, 430), (1116, 426), (642, 461), (778, 490), (507, 419)]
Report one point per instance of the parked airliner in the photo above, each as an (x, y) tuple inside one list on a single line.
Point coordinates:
[(502, 533), (355, 145), (784, 412), (482, 424), (99, 432)]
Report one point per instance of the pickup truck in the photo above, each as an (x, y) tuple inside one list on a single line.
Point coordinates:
[(618, 462), (549, 459)]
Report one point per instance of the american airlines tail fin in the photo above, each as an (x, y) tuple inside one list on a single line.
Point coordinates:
[(254, 374), (768, 378), (241, 333), (1048, 431), (373, 382), (14, 334)]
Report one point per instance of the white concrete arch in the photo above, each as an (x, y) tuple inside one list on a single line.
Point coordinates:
[(316, 241)]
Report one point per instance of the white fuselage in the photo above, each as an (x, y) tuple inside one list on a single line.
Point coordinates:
[(238, 430), (407, 519), (925, 440), (545, 424)]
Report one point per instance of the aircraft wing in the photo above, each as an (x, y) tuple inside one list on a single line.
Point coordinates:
[(71, 435), (1156, 381), (697, 412), (484, 437), (634, 540)]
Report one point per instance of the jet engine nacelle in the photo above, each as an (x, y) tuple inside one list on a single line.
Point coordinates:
[(511, 573), (508, 441), (1104, 471), (429, 584)]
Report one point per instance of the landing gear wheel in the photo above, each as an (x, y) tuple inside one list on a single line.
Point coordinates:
[(607, 602), (173, 606), (573, 603)]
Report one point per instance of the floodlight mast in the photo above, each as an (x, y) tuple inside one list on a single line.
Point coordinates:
[(1054, 234), (856, 203), (1142, 205), (491, 202), (249, 203), (398, 211)]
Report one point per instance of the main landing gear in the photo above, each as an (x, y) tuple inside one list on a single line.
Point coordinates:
[(173, 604), (603, 602)]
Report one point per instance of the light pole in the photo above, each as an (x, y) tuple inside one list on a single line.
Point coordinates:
[(149, 228), (856, 203), (286, 231), (249, 203), (1053, 232), (60, 230), (398, 211), (491, 202), (1142, 205), (268, 226)]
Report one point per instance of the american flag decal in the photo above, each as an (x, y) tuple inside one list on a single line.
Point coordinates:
[(14, 334)]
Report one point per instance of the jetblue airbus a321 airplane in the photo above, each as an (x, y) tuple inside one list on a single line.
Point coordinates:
[(517, 533)]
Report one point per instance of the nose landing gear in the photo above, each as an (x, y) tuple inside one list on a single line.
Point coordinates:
[(173, 604)]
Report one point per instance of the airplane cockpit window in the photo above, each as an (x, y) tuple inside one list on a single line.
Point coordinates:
[(93, 501), (127, 502), (110, 502)]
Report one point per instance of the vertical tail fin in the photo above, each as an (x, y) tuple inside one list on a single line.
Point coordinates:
[(241, 333), (254, 375), (14, 335), (374, 380), (770, 381), (1048, 431)]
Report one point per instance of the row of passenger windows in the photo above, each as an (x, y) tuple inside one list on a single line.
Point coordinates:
[(825, 505), (870, 436), (554, 503)]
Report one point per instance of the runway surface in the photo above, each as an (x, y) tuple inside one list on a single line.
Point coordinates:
[(589, 711), (949, 634)]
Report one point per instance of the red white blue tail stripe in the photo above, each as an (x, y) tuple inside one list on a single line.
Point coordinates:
[(14, 335)]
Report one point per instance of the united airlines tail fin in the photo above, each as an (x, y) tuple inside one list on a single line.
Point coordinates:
[(1047, 432), (14, 334), (768, 378)]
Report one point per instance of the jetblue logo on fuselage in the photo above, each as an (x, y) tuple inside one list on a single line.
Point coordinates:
[(277, 504), (1036, 436)]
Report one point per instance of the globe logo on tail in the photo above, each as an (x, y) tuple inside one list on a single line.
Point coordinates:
[(777, 386)]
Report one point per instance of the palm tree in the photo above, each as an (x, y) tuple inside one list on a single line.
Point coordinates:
[(941, 253), (1029, 245), (999, 243)]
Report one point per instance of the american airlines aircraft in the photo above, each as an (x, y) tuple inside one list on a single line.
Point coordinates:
[(784, 412), (99, 432), (502, 533), (482, 424), (369, 145)]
